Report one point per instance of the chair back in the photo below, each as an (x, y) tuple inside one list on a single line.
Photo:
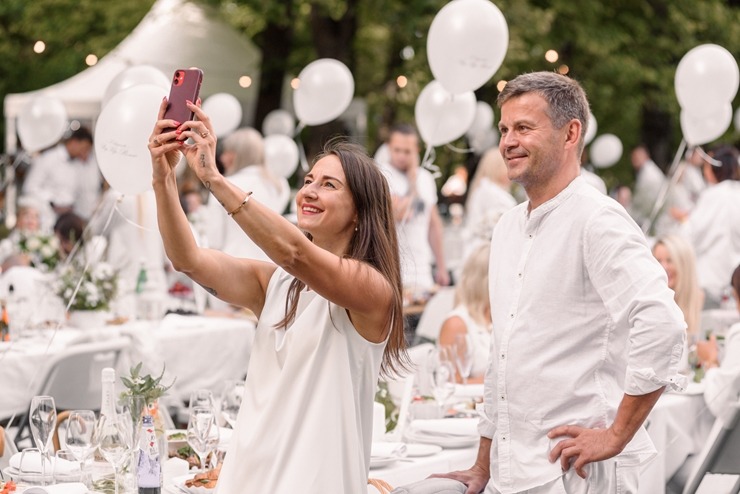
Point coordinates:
[(721, 455), (435, 311), (73, 379)]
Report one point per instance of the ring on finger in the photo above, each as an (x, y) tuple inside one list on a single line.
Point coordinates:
[(156, 142), (205, 134)]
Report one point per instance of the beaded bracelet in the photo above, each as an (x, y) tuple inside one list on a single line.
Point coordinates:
[(240, 206)]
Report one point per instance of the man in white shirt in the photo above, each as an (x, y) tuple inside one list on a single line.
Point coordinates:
[(586, 335), (67, 176), (418, 222)]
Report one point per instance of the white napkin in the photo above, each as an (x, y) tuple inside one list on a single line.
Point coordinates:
[(387, 450), (69, 488), (65, 466), (224, 436), (449, 427), (469, 390), (174, 467)]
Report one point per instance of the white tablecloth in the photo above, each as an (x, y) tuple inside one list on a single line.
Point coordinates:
[(200, 351)]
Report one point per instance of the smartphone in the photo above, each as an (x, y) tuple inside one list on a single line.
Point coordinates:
[(185, 86)]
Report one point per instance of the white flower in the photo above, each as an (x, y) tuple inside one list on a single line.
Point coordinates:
[(33, 244), (47, 251)]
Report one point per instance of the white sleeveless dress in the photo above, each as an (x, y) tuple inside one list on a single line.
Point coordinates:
[(305, 424), (479, 338)]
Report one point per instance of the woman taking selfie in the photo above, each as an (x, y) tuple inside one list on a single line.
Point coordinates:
[(329, 309)]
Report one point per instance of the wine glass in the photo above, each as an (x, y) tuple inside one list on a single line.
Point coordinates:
[(43, 420), (114, 442), (200, 423), (201, 398), (80, 435), (66, 467), (231, 400), (463, 352), (443, 375), (29, 469)]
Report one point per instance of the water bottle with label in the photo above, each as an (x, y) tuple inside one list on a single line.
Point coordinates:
[(149, 468)]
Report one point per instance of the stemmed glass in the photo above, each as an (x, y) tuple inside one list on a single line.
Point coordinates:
[(199, 433), (114, 442), (43, 415), (443, 375), (231, 400), (80, 438), (463, 356), (201, 398)]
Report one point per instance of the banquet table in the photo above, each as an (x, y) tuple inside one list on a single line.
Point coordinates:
[(200, 352)]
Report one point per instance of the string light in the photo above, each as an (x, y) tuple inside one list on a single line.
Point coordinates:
[(245, 81), (563, 69), (551, 56), (402, 81), (295, 83), (91, 60), (501, 85), (39, 46)]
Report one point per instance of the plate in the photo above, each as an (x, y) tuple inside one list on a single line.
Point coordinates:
[(448, 442), (417, 450), (382, 462), (180, 482)]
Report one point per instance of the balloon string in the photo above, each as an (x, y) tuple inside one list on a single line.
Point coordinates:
[(458, 150), (674, 173), (10, 177), (707, 158), (428, 161), (301, 149)]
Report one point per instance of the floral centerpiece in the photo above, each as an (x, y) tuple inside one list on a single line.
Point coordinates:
[(97, 286), (42, 249), (147, 387)]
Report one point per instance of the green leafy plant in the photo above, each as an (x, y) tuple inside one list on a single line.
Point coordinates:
[(151, 389)]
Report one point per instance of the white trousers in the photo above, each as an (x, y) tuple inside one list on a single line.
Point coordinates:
[(612, 476)]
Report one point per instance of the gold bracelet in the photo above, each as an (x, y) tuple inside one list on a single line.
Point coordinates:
[(240, 206)]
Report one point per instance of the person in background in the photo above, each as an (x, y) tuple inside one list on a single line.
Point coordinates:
[(67, 176), (243, 159), (722, 378), (320, 342), (69, 229), (418, 222), (591, 178), (28, 223), (648, 183), (488, 199), (677, 258), (586, 334), (713, 226), (471, 317)]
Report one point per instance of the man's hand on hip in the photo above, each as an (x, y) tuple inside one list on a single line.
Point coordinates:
[(584, 446)]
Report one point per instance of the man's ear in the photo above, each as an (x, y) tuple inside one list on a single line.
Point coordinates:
[(573, 133)]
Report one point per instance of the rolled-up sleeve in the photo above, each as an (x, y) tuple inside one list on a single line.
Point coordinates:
[(634, 289)]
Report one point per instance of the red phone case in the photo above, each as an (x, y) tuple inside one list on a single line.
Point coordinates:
[(185, 86)]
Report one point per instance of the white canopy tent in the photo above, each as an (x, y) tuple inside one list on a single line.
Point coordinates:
[(174, 34)]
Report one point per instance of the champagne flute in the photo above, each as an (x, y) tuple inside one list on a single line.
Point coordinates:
[(113, 442), (200, 423), (231, 400), (443, 376), (463, 352), (80, 435), (201, 398), (43, 420)]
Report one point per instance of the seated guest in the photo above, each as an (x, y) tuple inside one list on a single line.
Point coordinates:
[(471, 317), (69, 229), (722, 378), (677, 258)]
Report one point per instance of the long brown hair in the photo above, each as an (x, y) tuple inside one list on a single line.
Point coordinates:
[(374, 242)]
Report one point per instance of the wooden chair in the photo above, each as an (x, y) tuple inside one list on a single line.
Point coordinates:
[(382, 486)]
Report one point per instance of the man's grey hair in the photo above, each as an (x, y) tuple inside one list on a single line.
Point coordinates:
[(565, 98)]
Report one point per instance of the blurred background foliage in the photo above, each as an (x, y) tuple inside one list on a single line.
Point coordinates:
[(624, 52)]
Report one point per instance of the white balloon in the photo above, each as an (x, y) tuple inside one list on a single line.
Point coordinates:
[(225, 113), (325, 90), (701, 129), (41, 123), (281, 155), (382, 155), (122, 135), (278, 122), (467, 43), (707, 78), (483, 119), (442, 117), (484, 140), (593, 126), (133, 76), (605, 151)]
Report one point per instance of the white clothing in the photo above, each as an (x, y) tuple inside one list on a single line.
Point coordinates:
[(478, 338), (713, 228), (722, 384), (485, 205), (582, 314), (413, 231), (649, 181), (593, 180), (223, 233), (56, 178), (305, 424)]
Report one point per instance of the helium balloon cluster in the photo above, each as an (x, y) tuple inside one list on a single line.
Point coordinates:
[(706, 82), (466, 44)]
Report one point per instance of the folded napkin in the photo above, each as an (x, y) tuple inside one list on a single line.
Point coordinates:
[(387, 450), (448, 427), (431, 486), (468, 390), (69, 488), (33, 464)]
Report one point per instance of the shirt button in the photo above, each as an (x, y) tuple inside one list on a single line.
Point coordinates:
[(520, 275), (530, 235), (503, 355), (502, 397), (503, 438), (511, 315)]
